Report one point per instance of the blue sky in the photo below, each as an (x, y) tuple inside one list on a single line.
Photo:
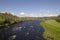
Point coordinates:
[(31, 8)]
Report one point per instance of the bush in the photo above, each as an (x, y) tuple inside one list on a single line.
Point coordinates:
[(58, 20)]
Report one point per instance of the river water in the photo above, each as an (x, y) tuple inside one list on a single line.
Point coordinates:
[(29, 30)]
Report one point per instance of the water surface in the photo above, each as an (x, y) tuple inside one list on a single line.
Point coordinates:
[(31, 30)]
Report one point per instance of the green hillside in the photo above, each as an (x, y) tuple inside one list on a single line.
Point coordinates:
[(7, 19), (52, 29)]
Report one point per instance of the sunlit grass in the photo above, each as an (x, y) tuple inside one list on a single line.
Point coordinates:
[(52, 29)]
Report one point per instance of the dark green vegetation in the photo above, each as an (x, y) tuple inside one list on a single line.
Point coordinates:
[(52, 28), (58, 19), (7, 19)]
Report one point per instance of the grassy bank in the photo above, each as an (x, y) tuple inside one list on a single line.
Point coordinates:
[(52, 29), (7, 19)]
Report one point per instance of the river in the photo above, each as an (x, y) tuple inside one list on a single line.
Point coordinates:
[(29, 30)]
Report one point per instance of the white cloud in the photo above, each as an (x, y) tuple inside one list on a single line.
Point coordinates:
[(22, 13), (37, 15), (13, 13), (46, 14), (43, 13)]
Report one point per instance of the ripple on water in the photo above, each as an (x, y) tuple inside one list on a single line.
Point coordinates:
[(19, 28), (32, 26), (27, 33), (12, 37)]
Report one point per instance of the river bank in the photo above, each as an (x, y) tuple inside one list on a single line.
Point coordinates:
[(52, 28)]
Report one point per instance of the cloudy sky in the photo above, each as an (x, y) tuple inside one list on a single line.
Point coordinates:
[(31, 8)]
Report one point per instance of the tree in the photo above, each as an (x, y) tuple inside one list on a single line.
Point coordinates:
[(58, 15)]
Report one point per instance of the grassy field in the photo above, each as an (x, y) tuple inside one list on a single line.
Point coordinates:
[(52, 29)]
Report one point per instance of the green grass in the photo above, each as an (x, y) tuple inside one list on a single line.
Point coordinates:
[(52, 29)]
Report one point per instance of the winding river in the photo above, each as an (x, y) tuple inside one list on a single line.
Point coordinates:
[(29, 30)]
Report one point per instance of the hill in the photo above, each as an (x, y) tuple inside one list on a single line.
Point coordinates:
[(8, 19)]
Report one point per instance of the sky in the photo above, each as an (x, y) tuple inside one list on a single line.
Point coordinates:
[(31, 8)]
